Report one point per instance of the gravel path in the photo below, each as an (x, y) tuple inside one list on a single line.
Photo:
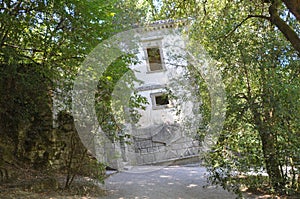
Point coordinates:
[(174, 182)]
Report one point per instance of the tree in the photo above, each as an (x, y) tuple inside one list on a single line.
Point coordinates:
[(259, 66), (42, 42), (270, 10)]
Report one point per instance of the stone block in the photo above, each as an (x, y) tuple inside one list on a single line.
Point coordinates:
[(149, 158), (171, 154), (139, 159), (144, 151), (177, 146), (160, 156), (150, 150), (182, 152)]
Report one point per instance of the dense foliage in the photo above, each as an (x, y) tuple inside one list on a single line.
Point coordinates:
[(257, 43), (42, 44)]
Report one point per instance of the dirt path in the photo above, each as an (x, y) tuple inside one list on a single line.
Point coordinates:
[(174, 182)]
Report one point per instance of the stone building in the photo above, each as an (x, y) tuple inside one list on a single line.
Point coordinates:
[(166, 131)]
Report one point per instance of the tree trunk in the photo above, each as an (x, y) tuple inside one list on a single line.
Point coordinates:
[(287, 31), (271, 160), (269, 151)]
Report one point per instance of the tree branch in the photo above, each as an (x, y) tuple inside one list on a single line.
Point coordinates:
[(286, 30), (20, 48), (243, 21)]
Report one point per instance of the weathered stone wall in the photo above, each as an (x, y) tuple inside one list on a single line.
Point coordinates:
[(68, 151), (59, 150), (161, 144), (149, 152)]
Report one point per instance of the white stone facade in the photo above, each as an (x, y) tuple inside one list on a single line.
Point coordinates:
[(166, 129)]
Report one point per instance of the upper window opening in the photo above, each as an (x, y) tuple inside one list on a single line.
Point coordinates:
[(154, 57)]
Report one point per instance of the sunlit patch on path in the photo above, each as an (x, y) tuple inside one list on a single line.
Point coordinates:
[(174, 182)]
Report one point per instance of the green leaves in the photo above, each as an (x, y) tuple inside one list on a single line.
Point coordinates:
[(42, 44), (260, 69)]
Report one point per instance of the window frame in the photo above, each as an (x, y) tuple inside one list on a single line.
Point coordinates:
[(153, 42), (148, 59), (155, 106)]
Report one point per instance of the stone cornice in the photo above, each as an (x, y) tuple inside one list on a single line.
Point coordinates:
[(163, 24)]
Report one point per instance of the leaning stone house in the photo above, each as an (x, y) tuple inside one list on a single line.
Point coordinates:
[(166, 130)]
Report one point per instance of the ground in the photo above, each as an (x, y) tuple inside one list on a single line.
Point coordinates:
[(174, 182), (143, 182), (37, 184)]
